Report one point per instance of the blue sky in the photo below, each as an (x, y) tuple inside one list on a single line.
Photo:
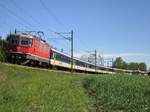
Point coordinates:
[(113, 27)]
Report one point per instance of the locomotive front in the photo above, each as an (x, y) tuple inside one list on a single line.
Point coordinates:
[(18, 46)]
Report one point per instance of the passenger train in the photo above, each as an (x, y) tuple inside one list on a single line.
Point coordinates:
[(27, 49)]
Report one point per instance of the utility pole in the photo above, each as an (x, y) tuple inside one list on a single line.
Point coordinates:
[(95, 59), (70, 38), (100, 57), (71, 51)]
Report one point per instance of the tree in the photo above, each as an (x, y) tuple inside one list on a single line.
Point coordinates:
[(119, 63), (3, 49), (133, 66), (142, 67)]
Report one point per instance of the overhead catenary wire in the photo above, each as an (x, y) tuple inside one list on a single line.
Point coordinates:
[(3, 24), (17, 16), (20, 9), (50, 13), (31, 17), (21, 19)]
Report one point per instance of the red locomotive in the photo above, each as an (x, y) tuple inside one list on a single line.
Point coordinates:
[(27, 49)]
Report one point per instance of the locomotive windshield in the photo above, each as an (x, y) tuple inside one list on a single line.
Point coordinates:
[(26, 41)]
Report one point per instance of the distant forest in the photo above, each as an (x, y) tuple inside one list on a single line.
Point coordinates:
[(121, 64)]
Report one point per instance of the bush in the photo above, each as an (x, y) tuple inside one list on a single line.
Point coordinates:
[(3, 48)]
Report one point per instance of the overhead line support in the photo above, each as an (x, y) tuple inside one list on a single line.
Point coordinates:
[(70, 38)]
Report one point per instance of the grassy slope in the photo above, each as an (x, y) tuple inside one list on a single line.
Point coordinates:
[(26, 90), (119, 93)]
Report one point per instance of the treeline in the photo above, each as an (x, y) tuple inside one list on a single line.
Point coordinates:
[(121, 64), (3, 49)]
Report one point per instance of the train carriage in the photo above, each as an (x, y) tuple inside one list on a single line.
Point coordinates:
[(61, 60)]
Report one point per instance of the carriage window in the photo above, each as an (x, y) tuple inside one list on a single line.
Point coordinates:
[(26, 41)]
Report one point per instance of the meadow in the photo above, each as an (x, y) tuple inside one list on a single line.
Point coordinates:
[(119, 93), (26, 89), (33, 90)]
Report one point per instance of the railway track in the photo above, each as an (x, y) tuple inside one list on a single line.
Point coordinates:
[(46, 69)]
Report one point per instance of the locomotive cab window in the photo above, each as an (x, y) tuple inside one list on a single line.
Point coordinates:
[(26, 41)]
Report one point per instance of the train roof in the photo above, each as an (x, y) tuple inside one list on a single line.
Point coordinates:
[(29, 36), (22, 34)]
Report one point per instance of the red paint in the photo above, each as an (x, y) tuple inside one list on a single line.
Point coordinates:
[(38, 47)]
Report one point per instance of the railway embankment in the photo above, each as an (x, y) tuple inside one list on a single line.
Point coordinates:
[(25, 89)]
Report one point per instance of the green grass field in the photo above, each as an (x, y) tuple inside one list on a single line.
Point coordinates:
[(23, 89), (29, 90), (119, 93)]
